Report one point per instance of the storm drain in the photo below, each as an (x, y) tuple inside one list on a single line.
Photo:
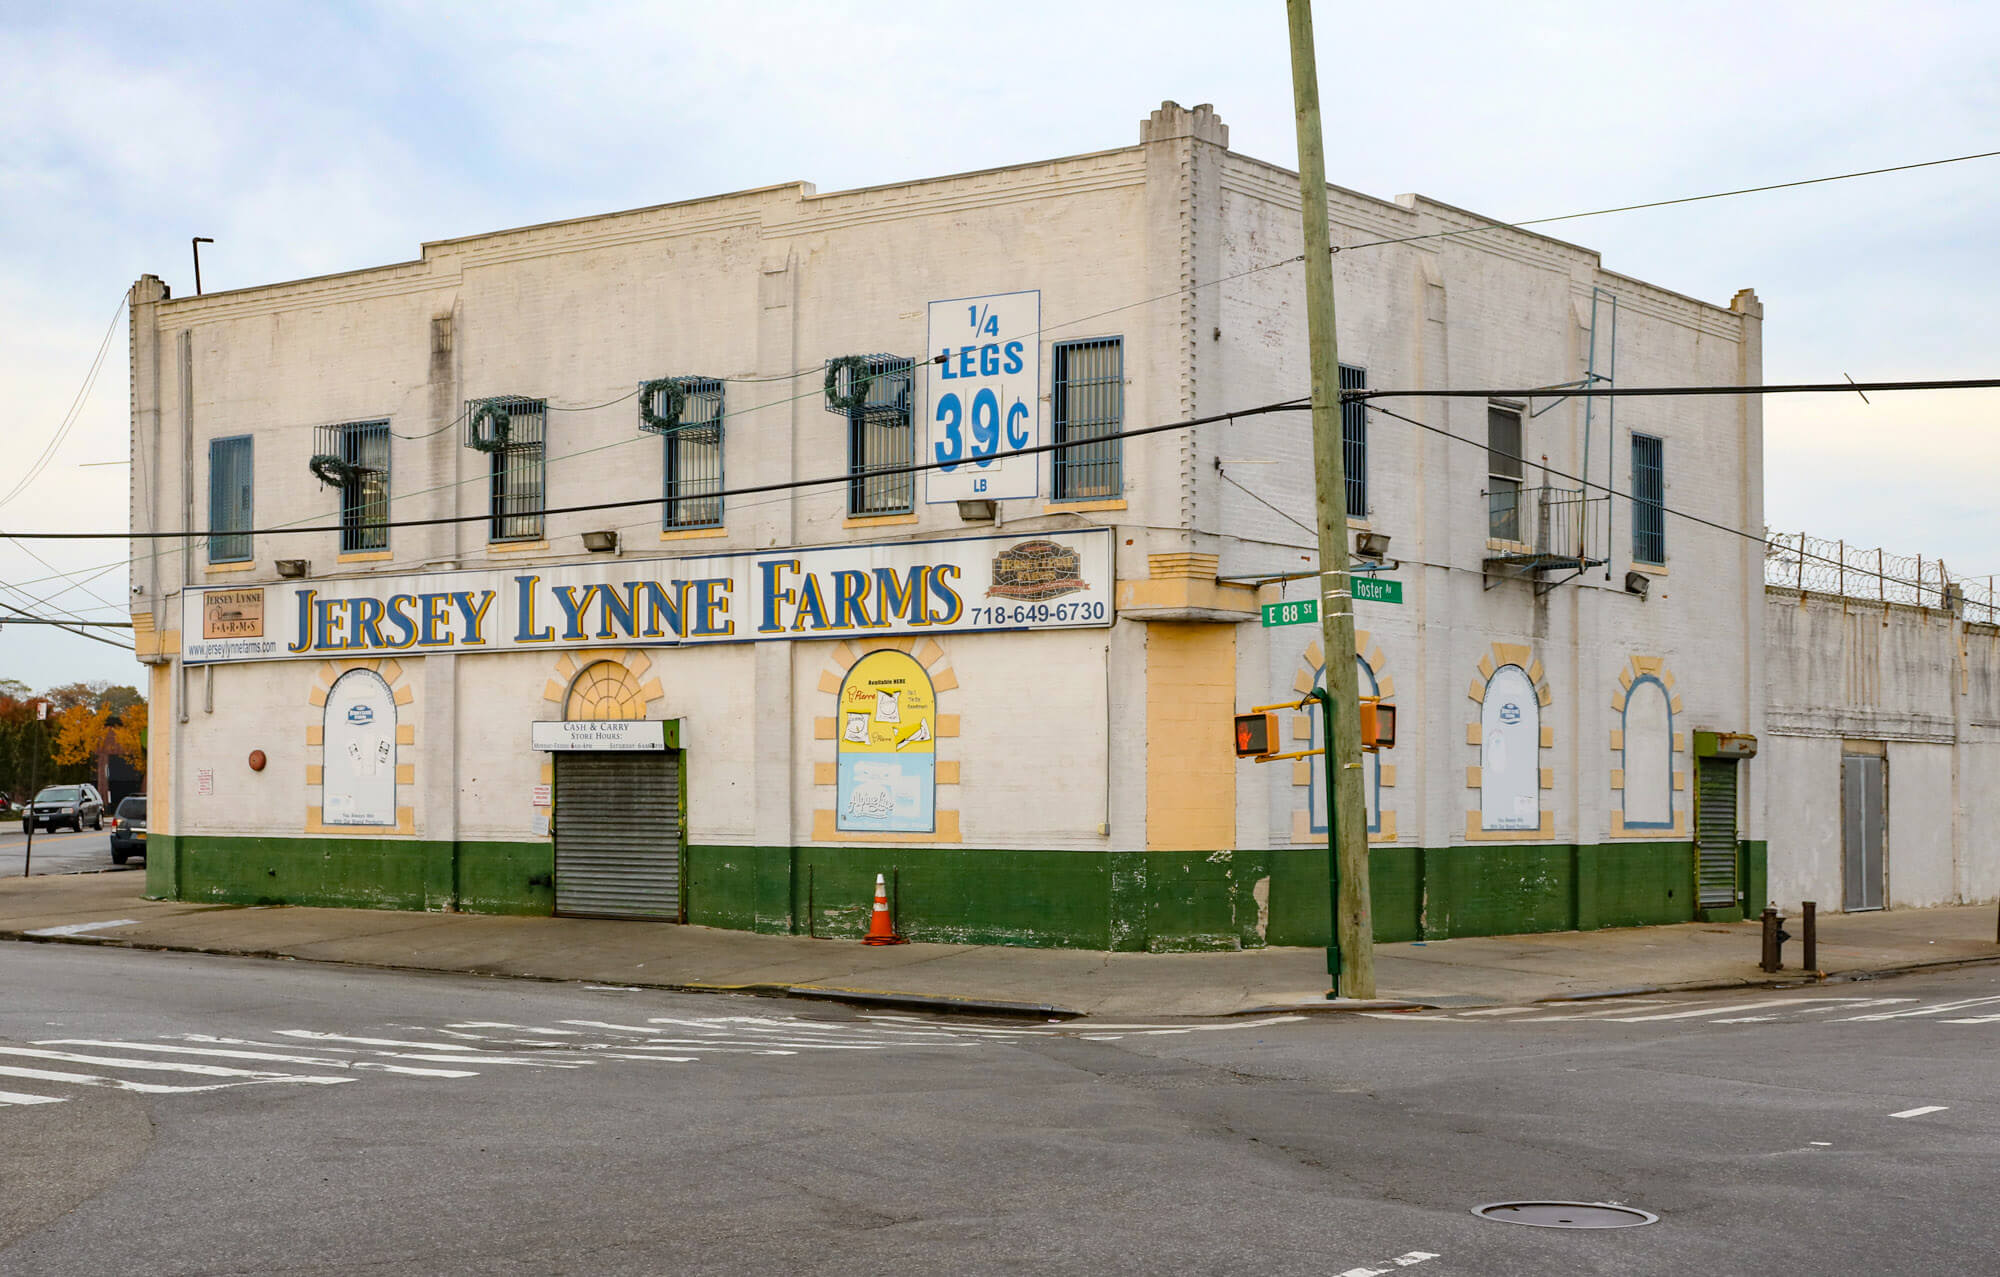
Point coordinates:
[(1566, 1214)]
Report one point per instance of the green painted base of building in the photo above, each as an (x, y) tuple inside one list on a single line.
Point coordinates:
[(1132, 901)]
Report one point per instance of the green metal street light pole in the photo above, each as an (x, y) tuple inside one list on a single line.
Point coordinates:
[(1350, 953)]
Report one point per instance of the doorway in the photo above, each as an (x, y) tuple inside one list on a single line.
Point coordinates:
[(618, 834), (1864, 829)]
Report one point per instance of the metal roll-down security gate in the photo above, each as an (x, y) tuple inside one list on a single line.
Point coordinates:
[(619, 818)]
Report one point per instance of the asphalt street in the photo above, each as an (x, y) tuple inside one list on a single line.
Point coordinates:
[(182, 1114), (59, 853)]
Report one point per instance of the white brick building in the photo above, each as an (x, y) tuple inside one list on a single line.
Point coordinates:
[(1073, 783)]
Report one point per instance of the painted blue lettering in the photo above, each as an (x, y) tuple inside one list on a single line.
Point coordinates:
[(965, 360), (850, 600), (433, 609), (774, 594), (368, 623), (624, 607), (811, 605), (524, 611), (902, 598), (1013, 364), (573, 609), (989, 361), (709, 607), (947, 598), (474, 632), (394, 614), (305, 622), (672, 607), (1017, 425)]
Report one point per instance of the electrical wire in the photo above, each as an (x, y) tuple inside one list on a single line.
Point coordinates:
[(63, 626), (787, 485), (71, 417)]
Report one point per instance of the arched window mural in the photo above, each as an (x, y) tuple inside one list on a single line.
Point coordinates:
[(358, 778), (1371, 764), (1510, 738), (605, 691), (887, 722), (1648, 756)]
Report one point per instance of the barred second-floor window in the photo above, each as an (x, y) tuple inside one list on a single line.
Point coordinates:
[(687, 412), (875, 393), (1087, 404), (363, 448), (1649, 500), (511, 431), (230, 503), (1354, 442)]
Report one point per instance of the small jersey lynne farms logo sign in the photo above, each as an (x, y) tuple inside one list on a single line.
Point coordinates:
[(1510, 713), (232, 614), (1036, 571)]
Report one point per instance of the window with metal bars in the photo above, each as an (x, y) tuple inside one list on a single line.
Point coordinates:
[(230, 504), (1354, 442), (363, 447), (693, 454), (882, 436), (1649, 500), (517, 480), (1087, 402)]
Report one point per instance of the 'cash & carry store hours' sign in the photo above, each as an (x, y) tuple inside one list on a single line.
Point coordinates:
[(1056, 580)]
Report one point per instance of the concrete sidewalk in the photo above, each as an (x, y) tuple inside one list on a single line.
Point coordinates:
[(1475, 971)]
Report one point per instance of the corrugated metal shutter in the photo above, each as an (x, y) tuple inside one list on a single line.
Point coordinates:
[(618, 835), (1715, 834)]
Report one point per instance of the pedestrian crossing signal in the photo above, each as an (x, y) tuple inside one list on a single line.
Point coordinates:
[(1378, 725), (1256, 734)]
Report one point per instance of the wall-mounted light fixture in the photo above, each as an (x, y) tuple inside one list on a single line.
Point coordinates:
[(600, 541), (292, 569), (1637, 583), (980, 511), (1371, 545)]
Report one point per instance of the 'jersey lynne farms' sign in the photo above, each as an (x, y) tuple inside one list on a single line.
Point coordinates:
[(1057, 580)]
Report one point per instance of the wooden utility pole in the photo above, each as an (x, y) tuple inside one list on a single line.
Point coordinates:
[(1351, 956)]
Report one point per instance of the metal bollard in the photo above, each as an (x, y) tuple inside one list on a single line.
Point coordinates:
[(1809, 934), (1774, 940)]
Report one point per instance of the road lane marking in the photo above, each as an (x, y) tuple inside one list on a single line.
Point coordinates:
[(1939, 1008), (1724, 1009), (1919, 1112), (162, 1066), (82, 928), (1408, 1260), (15, 1097), (326, 1062)]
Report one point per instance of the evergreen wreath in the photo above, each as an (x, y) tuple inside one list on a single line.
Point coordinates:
[(857, 383), (673, 400), (494, 411), (329, 469)]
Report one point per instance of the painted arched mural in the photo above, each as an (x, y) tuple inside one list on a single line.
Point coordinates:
[(358, 775), (887, 753)]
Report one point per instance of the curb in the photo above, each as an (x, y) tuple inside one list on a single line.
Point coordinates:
[(1778, 981), (1329, 1006)]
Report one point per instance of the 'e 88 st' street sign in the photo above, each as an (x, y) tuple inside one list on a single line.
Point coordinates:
[(1367, 589), (985, 377)]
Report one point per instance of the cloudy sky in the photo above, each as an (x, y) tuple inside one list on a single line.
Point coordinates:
[(308, 139)]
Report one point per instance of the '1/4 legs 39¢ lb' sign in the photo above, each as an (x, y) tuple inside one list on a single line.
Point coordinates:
[(985, 379)]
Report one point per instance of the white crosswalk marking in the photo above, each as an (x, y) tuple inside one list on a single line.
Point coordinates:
[(322, 1061), (1795, 1008), (163, 1066), (15, 1097)]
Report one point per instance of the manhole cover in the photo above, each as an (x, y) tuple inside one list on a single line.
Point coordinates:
[(1565, 1214)]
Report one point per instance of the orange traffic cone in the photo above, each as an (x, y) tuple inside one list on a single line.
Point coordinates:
[(879, 930)]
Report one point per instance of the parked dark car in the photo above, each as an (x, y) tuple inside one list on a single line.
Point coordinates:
[(59, 805), (128, 829)]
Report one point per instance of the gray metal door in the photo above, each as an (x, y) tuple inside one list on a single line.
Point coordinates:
[(1864, 829), (618, 835), (1715, 834)]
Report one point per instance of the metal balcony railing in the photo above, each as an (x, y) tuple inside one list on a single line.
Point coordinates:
[(1537, 530)]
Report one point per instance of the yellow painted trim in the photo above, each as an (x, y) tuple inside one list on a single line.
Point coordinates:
[(1187, 591), (1475, 731), (364, 664), (1486, 668), (159, 752), (1617, 739), (1625, 678), (515, 547), (1388, 831), (315, 774), (565, 668), (1677, 705), (552, 691), (638, 662), (1677, 833), (947, 771), (1650, 569), (693, 534), (1510, 547), (1182, 563), (844, 657), (1302, 828), (944, 680), (826, 773), (1514, 654), (1680, 782), (928, 656), (1315, 656), (829, 682), (406, 825), (1302, 682), (947, 725), (317, 698), (1473, 778), (1618, 778), (1618, 702), (1648, 664), (1302, 728), (652, 691), (406, 773), (1680, 742), (366, 556), (824, 831), (1388, 774), (404, 695), (1535, 672), (316, 735), (1082, 507), (1474, 833), (390, 671), (1191, 776), (880, 521), (1543, 695), (1548, 737), (1477, 691), (1302, 771), (245, 566), (1548, 778), (170, 643), (1385, 686), (823, 729)]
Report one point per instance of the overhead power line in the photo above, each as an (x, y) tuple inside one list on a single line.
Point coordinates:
[(1547, 392), (16, 617), (876, 472)]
